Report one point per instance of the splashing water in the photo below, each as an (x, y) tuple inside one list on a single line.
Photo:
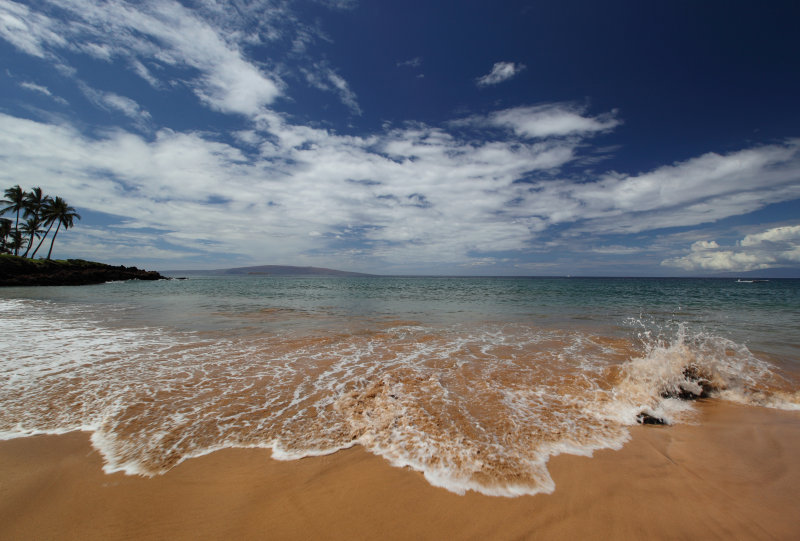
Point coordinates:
[(473, 405)]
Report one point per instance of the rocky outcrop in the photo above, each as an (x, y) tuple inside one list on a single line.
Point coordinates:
[(694, 386), (18, 271)]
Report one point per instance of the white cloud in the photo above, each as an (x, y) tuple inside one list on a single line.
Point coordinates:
[(101, 52), (161, 32), (209, 44), (709, 175), (126, 106), (705, 245), (100, 244), (775, 247), (178, 37), (617, 250), (206, 48), (501, 71), (347, 96), (114, 102), (774, 235), (700, 190), (415, 194), (142, 71), (323, 77), (33, 87), (559, 119), (411, 63), (30, 32)]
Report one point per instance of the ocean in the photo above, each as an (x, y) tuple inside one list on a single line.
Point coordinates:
[(475, 382)]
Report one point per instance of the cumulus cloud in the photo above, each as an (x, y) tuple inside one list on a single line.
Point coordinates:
[(775, 247), (417, 193), (501, 71), (774, 236)]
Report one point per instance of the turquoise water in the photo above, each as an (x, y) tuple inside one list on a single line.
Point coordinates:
[(746, 309), (473, 381), (763, 315)]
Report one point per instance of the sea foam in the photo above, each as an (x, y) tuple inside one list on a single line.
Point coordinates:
[(472, 406)]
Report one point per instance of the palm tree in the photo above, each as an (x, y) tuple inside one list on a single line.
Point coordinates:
[(47, 220), (32, 228), (59, 211), (34, 202), (5, 231), (16, 240), (15, 201)]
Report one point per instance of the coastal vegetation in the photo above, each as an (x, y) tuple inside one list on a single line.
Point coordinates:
[(40, 213), (32, 216)]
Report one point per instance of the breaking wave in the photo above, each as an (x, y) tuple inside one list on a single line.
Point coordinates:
[(472, 406)]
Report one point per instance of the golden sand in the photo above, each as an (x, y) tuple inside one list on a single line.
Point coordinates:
[(735, 475)]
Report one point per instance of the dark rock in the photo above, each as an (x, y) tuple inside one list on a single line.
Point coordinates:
[(692, 373), (647, 419), (696, 386), (19, 271)]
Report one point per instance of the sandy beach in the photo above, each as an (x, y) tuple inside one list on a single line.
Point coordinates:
[(734, 475)]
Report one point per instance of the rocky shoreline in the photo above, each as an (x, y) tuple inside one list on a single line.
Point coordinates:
[(18, 271)]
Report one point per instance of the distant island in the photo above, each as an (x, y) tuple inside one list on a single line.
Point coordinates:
[(273, 270), (20, 271)]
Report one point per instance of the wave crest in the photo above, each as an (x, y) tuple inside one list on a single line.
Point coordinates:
[(472, 407)]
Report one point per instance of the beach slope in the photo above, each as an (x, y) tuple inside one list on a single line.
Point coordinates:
[(735, 474)]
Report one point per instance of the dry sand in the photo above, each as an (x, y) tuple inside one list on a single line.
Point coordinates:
[(736, 475)]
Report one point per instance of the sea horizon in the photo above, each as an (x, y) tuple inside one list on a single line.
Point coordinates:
[(768, 274)]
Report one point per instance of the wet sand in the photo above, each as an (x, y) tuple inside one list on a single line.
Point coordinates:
[(735, 475)]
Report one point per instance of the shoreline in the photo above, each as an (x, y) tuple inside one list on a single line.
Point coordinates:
[(734, 474)]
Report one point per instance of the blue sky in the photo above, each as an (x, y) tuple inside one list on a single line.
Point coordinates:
[(424, 137)]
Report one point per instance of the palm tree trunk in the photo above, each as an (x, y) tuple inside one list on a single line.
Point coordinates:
[(30, 244), (42, 241), (16, 228), (53, 240)]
